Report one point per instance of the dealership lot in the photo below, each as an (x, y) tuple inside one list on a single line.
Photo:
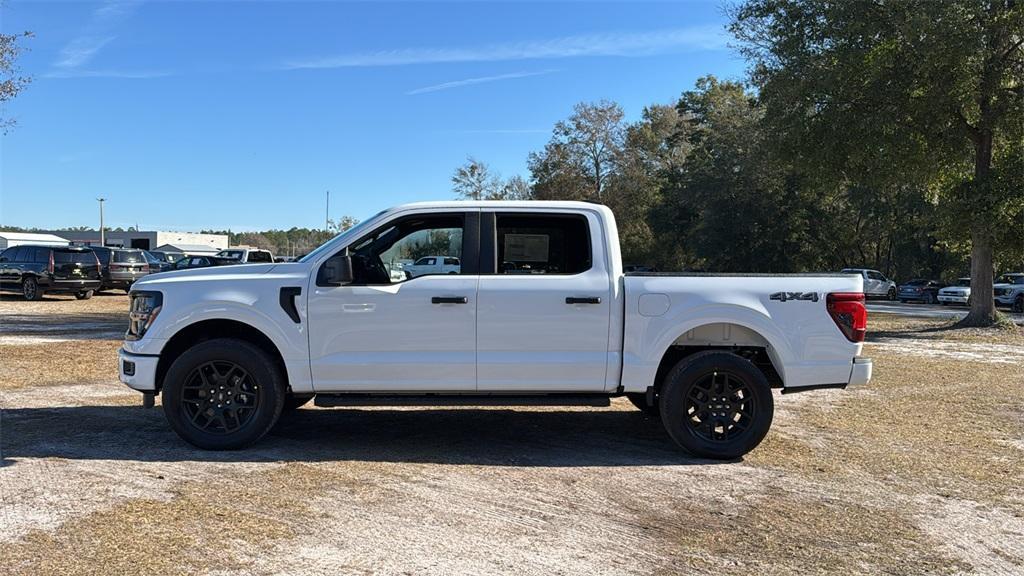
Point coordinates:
[(919, 472)]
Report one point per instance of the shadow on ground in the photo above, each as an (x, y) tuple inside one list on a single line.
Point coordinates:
[(463, 436)]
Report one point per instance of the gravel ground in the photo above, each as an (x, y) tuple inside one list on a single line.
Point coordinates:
[(919, 473)]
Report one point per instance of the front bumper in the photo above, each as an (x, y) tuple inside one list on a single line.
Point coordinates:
[(860, 374), (137, 371), (953, 298)]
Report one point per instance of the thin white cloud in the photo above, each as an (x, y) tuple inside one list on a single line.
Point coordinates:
[(478, 80), (127, 74), (695, 38), (96, 34)]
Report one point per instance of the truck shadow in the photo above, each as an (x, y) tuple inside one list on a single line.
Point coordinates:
[(482, 437)]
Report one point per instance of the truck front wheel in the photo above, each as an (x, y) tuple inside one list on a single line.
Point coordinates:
[(223, 394), (716, 405)]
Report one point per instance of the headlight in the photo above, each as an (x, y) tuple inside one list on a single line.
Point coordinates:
[(143, 311)]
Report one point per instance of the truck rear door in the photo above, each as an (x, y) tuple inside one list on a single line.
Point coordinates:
[(544, 304)]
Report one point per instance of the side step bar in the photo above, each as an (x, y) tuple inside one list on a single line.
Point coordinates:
[(337, 400)]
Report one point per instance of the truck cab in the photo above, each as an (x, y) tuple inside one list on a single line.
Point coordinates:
[(539, 311)]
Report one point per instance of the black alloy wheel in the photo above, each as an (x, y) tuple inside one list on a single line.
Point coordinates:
[(219, 397), (223, 394), (716, 404), (719, 407)]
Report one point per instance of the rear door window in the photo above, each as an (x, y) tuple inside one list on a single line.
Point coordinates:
[(73, 257), (543, 244), (41, 255), (259, 257)]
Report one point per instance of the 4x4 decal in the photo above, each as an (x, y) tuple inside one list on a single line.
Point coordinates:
[(786, 296)]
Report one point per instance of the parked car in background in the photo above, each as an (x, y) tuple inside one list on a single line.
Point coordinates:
[(156, 263), (959, 293), (921, 290), (247, 255), (876, 285), (166, 256), (432, 265), (1009, 291), (189, 262), (36, 270), (121, 266)]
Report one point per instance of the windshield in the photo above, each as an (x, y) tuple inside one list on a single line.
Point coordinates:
[(917, 283), (151, 258), (966, 282), (351, 232), (1011, 279)]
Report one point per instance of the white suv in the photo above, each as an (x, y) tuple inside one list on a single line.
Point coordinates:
[(876, 285)]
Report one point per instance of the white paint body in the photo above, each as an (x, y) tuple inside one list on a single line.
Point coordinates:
[(515, 333)]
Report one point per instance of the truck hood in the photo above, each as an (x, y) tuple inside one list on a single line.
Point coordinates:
[(235, 272)]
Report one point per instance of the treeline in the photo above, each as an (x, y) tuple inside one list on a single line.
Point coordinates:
[(700, 185), (878, 134)]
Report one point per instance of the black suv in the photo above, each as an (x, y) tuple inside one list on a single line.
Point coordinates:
[(35, 270)]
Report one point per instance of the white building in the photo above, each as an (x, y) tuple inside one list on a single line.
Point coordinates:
[(8, 239), (149, 240)]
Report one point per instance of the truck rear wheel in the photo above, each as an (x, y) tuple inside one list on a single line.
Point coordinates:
[(223, 394), (716, 405)]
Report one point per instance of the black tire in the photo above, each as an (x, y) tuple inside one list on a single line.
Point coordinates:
[(944, 303), (296, 401), (640, 401), (84, 294), (891, 296), (30, 289), (903, 301), (722, 381), (248, 394), (1018, 304), (929, 298)]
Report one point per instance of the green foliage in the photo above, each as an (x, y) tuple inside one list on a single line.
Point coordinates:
[(901, 95)]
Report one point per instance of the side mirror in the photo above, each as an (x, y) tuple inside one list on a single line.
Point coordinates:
[(337, 271)]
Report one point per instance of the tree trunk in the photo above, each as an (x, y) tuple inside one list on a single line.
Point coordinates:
[(983, 306)]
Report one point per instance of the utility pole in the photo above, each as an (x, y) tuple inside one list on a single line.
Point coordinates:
[(102, 238), (327, 213)]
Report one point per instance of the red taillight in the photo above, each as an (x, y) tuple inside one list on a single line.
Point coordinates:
[(145, 268), (51, 262), (849, 313)]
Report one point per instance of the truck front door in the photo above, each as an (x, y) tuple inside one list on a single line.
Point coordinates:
[(388, 332)]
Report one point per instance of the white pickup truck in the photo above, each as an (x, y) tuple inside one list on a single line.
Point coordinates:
[(229, 348)]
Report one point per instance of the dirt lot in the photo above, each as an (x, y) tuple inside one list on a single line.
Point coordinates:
[(921, 472)]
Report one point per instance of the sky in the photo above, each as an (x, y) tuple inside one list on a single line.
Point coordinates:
[(241, 115)]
